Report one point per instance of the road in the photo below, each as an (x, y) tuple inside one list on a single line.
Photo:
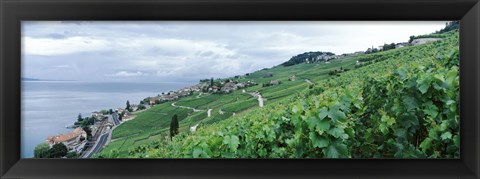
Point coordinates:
[(98, 145), (114, 118), (309, 82), (101, 141), (186, 107)]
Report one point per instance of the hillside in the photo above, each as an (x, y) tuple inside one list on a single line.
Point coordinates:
[(399, 103), (309, 57), (153, 124)]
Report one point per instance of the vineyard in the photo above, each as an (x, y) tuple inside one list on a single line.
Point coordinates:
[(401, 103)]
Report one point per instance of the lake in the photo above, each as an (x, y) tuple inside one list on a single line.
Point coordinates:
[(49, 106)]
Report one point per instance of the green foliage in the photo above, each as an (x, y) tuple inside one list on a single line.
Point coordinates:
[(88, 131), (311, 56), (449, 26), (141, 107), (128, 105), (388, 46), (58, 150), (72, 155), (402, 103), (41, 151), (174, 126)]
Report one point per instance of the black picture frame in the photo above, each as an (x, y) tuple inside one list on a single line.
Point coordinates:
[(12, 12)]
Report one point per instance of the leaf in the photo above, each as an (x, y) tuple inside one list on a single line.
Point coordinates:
[(318, 142), (456, 140), (410, 102), (430, 109), (336, 150), (402, 73), (426, 144), (331, 152), (295, 109), (424, 83), (197, 151), (446, 135), (337, 115), (319, 125), (323, 125), (338, 133), (383, 128), (323, 113), (401, 133), (312, 122), (387, 119), (423, 88)]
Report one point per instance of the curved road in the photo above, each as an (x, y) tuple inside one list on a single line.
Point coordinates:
[(186, 107), (98, 145)]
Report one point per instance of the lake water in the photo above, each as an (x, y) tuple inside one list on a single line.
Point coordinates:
[(49, 106)]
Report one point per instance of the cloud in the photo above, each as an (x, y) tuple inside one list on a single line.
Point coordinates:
[(169, 50), (126, 74), (61, 46)]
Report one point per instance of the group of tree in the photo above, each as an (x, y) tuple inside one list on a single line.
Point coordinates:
[(84, 122), (452, 25), (88, 131), (337, 72), (388, 46), (297, 59), (59, 150)]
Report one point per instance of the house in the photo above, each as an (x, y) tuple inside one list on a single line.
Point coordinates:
[(134, 107), (240, 85), (153, 101), (169, 97), (147, 106), (424, 41), (72, 139), (401, 44), (119, 110), (229, 87), (98, 115), (193, 128), (274, 82), (215, 88), (292, 78), (359, 53)]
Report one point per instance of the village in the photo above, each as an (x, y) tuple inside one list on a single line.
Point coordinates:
[(85, 140)]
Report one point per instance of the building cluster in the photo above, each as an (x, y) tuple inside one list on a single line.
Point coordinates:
[(228, 86), (74, 140)]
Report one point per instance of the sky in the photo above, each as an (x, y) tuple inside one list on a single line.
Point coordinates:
[(186, 51)]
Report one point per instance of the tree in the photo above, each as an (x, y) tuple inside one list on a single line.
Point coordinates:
[(72, 155), (58, 150), (411, 39), (140, 107), (211, 81), (174, 126), (120, 116), (128, 105), (110, 111), (41, 151), (88, 131), (79, 118)]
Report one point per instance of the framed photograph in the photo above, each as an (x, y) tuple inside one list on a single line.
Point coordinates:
[(239, 89)]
